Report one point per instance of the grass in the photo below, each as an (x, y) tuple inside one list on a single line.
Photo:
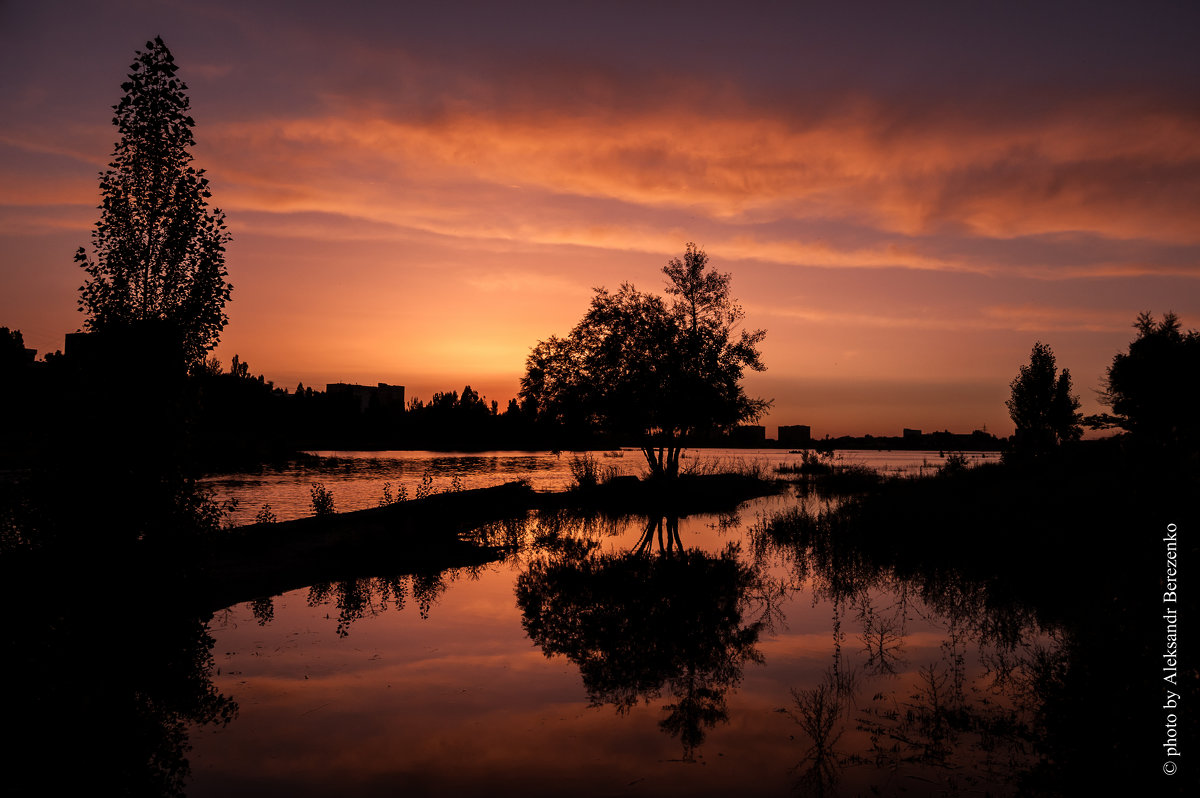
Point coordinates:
[(830, 474), (588, 474)]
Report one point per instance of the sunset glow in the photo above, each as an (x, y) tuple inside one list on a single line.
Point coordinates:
[(418, 197)]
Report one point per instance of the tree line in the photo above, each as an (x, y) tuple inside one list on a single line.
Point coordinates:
[(1152, 390)]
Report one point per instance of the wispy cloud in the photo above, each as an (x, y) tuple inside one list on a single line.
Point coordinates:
[(1016, 318)]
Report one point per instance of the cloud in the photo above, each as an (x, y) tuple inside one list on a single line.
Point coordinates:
[(1037, 318), (1111, 169)]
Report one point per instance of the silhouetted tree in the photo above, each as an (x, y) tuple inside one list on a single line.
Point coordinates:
[(239, 368), (636, 365), (1154, 388), (13, 354), (20, 404), (159, 251), (1045, 413)]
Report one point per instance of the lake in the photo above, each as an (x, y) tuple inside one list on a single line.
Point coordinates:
[(357, 479), (692, 656)]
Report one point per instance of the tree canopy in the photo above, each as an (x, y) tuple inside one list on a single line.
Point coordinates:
[(1042, 407), (642, 365), (1154, 388), (158, 250)]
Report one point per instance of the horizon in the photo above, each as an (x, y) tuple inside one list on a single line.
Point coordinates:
[(905, 205)]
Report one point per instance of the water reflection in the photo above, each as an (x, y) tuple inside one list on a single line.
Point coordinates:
[(357, 598), (819, 711), (365, 597), (966, 720), (779, 653), (692, 629), (106, 677), (883, 634), (647, 622), (927, 682)]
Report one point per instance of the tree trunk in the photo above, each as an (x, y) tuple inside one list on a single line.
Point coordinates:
[(654, 463), (663, 460)]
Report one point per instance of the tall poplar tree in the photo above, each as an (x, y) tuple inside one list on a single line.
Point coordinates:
[(158, 261)]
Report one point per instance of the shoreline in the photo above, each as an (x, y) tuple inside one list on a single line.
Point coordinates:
[(425, 534)]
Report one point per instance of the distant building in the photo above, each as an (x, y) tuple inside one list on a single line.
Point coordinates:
[(380, 396), (79, 345), (795, 435), (749, 434), (912, 433)]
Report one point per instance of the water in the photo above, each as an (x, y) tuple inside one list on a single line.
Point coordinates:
[(697, 656), (357, 479)]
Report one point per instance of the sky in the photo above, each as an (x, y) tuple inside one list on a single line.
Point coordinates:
[(907, 195)]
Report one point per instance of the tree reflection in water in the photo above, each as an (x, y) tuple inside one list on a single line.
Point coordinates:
[(819, 712), (935, 728), (643, 623), (882, 635), (104, 697), (359, 598)]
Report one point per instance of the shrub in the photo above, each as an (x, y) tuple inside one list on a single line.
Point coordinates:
[(425, 489), (322, 499), (588, 473), (956, 463), (401, 494)]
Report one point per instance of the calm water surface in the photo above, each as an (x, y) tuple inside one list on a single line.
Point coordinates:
[(357, 479), (638, 657)]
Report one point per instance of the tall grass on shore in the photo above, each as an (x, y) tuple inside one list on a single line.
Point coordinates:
[(588, 474), (727, 466)]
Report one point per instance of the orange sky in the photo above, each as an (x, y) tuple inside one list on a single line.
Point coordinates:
[(418, 197)]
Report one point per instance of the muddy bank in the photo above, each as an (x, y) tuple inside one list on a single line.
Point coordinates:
[(407, 537)]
